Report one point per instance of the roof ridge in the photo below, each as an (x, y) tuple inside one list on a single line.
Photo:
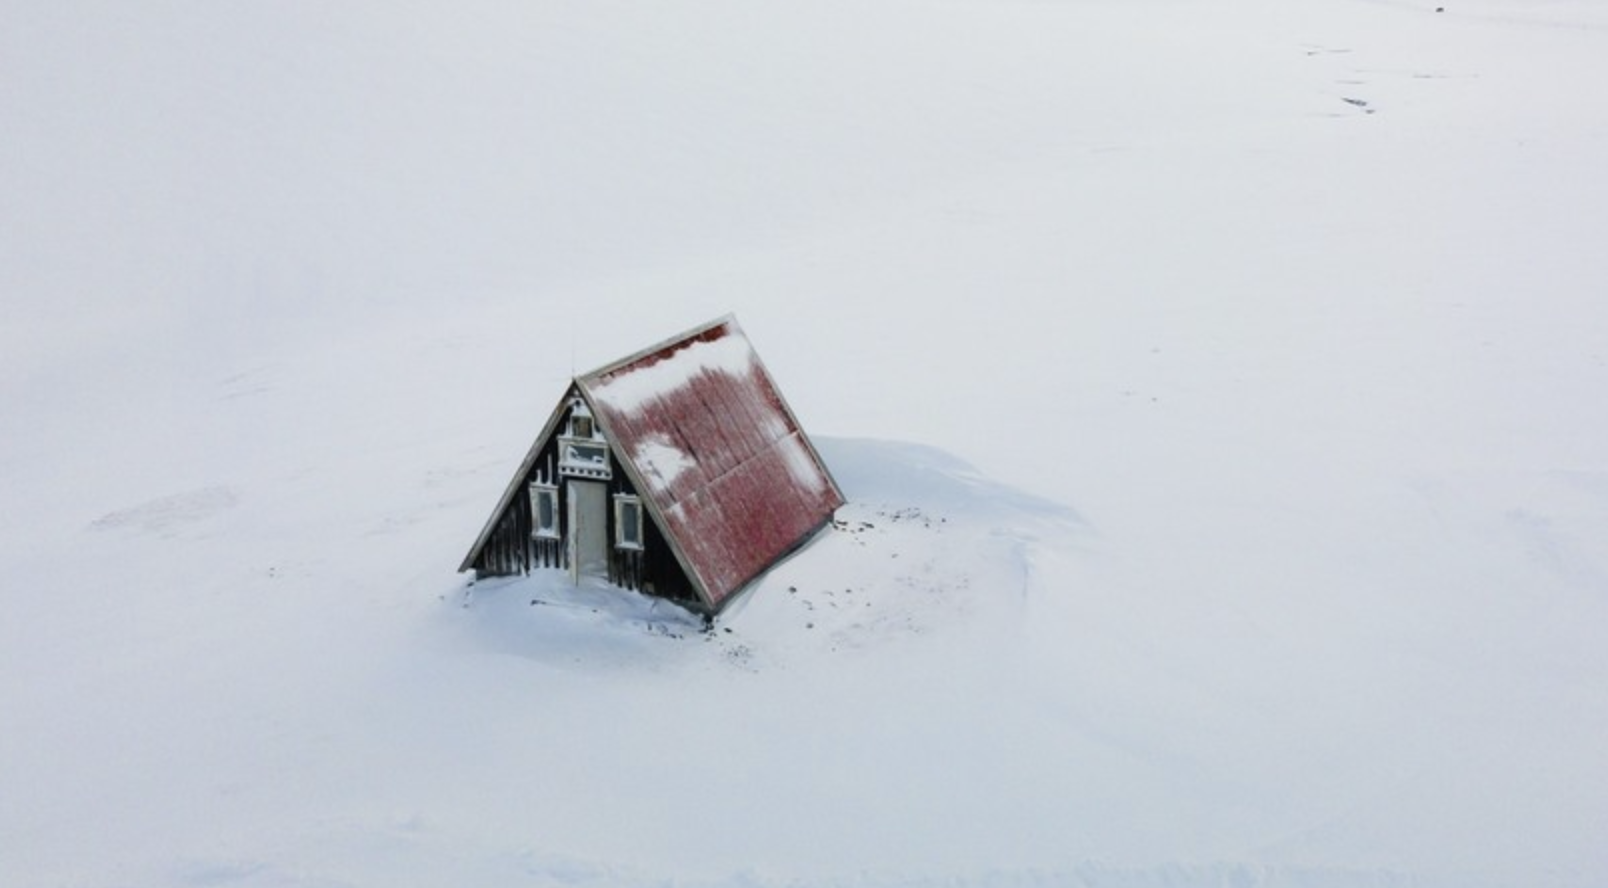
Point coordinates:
[(728, 320)]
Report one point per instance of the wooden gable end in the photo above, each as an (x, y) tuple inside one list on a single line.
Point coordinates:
[(516, 541)]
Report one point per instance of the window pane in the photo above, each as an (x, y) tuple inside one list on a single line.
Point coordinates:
[(627, 522), (632, 523), (543, 511), (585, 454)]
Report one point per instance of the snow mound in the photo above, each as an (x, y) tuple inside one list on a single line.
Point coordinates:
[(925, 543)]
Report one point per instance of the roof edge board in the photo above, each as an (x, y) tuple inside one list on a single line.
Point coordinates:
[(525, 465), (792, 417), (808, 538)]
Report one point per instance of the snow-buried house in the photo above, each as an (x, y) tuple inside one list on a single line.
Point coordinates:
[(679, 471)]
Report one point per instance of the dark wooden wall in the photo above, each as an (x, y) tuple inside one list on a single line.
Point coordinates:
[(511, 551)]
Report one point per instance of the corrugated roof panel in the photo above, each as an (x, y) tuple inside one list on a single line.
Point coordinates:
[(734, 479)]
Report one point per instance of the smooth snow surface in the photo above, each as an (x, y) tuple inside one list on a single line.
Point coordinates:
[(1257, 534)]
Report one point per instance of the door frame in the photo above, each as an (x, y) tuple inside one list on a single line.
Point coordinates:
[(588, 512)]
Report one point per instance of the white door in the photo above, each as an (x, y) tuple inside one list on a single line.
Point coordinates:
[(588, 530)]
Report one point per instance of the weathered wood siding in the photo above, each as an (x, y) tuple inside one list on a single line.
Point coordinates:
[(512, 551)]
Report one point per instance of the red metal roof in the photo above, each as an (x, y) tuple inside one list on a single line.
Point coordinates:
[(716, 454)]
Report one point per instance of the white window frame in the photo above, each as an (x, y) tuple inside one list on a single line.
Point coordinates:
[(621, 500), (577, 430), (538, 492)]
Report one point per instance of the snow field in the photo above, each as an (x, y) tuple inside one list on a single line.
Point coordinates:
[(1273, 333)]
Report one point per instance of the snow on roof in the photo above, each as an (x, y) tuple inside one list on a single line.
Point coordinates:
[(716, 453), (634, 387)]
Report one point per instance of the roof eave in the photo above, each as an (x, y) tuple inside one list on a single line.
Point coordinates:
[(799, 545)]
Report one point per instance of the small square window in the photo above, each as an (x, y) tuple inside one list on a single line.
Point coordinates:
[(544, 511), (627, 522)]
